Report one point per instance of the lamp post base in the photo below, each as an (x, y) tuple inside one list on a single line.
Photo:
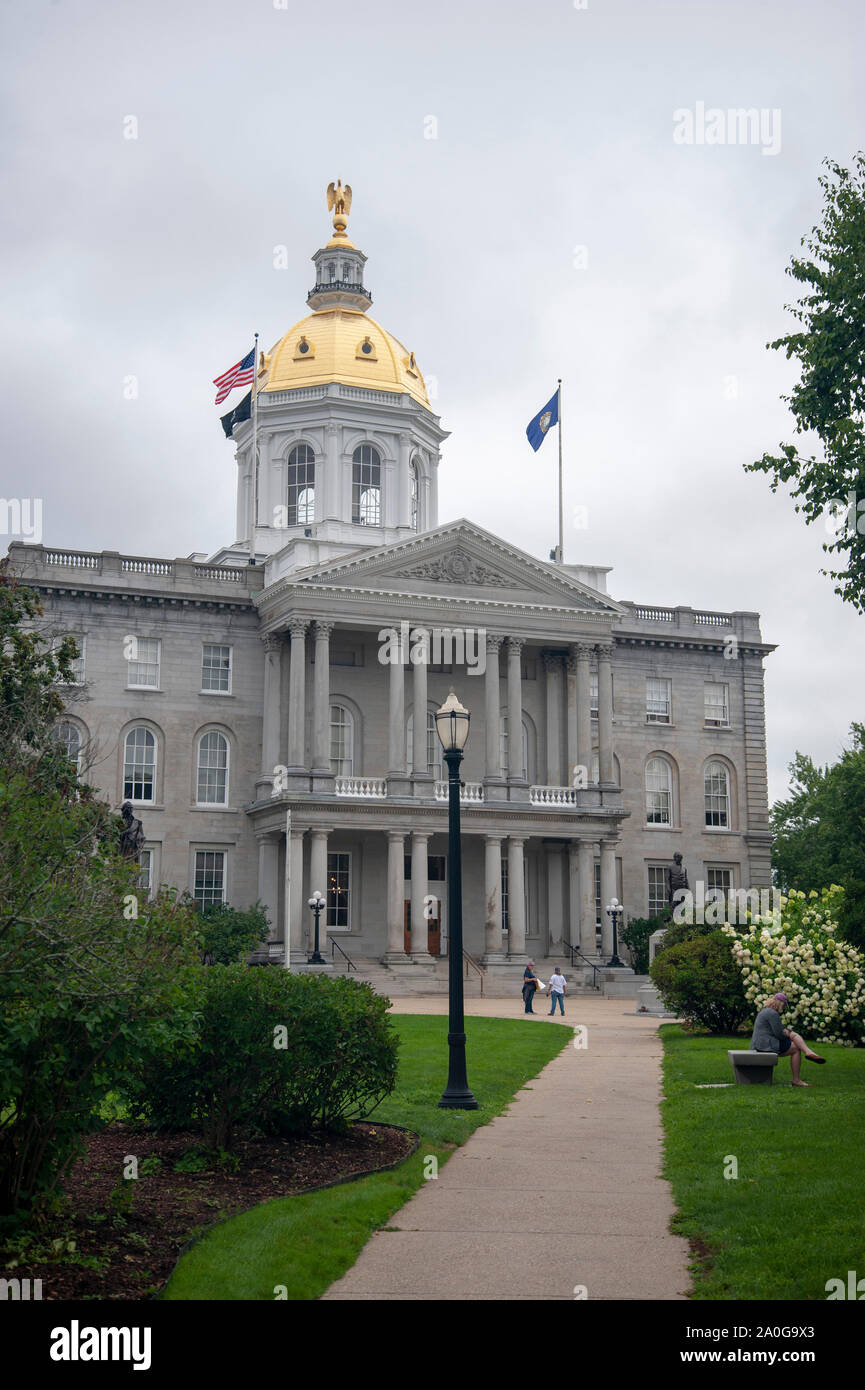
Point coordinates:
[(456, 1095)]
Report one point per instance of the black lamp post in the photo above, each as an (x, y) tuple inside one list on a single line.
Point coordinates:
[(615, 912), (452, 726), (318, 904)]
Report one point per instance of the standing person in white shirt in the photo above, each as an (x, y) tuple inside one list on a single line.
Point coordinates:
[(557, 991)]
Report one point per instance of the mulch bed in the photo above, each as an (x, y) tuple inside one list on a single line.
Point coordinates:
[(137, 1250)]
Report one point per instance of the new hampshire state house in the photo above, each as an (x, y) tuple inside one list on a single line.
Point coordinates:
[(272, 723)]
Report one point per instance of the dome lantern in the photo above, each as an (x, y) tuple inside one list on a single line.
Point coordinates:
[(339, 265)]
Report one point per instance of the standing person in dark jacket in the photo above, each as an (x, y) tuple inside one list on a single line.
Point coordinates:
[(530, 984), (770, 1036)]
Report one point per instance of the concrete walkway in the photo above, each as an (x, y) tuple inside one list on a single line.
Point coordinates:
[(562, 1190)]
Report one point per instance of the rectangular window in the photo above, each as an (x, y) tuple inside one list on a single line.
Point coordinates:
[(504, 892), (209, 877), (657, 889), (339, 892), (658, 701), (598, 918), (593, 694), (145, 877), (143, 663), (716, 704), (720, 880), (216, 669)]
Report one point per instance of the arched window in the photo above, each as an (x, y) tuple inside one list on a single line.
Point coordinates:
[(212, 769), (659, 792), (596, 770), (433, 744), (503, 746), (139, 765), (414, 496), (301, 486), (366, 486), (341, 741), (68, 739), (717, 788)]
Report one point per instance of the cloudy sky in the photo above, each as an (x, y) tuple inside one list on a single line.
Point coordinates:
[(552, 227)]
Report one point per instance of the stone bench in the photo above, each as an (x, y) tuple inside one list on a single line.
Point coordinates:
[(753, 1068)]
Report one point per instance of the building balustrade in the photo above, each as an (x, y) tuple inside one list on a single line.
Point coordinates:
[(469, 791), (366, 788)]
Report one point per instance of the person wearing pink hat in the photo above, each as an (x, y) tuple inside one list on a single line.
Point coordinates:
[(770, 1036)]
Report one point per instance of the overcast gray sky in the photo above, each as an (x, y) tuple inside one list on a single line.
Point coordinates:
[(554, 227)]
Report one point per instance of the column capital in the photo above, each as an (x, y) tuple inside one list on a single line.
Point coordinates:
[(494, 641), (394, 835), (583, 650), (273, 641), (604, 650), (494, 839), (518, 839), (298, 627), (425, 835), (320, 830), (552, 661), (516, 644), (323, 629)]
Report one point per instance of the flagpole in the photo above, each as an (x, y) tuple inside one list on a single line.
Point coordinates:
[(254, 499), (561, 554)]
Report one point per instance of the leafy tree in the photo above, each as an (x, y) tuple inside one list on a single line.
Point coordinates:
[(829, 399), (228, 933), (700, 981), (88, 970), (635, 936), (820, 832)]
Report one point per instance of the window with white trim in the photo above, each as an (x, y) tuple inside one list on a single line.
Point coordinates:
[(717, 789), (659, 792), (145, 877), (339, 892), (657, 897), (593, 694), (212, 775), (341, 741), (503, 745), (209, 883), (300, 471), (414, 496), (139, 765), (504, 892), (719, 879), (143, 664), (68, 739), (366, 486), (433, 744), (716, 704), (659, 700), (598, 905), (215, 669)]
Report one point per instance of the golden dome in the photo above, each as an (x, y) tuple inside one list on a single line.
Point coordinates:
[(341, 345)]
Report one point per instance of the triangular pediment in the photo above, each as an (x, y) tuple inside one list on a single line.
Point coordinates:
[(460, 560)]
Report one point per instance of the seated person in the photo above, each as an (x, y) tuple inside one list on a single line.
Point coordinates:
[(770, 1036)]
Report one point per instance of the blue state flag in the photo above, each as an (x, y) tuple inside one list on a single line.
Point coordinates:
[(543, 421)]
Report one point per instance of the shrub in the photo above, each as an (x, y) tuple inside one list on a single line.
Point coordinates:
[(635, 935), (228, 933), (700, 982), (274, 1050), (796, 950)]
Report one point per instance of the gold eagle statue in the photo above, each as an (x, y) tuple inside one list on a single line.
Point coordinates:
[(339, 198)]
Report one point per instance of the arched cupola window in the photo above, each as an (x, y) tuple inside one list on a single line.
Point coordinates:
[(366, 486), (414, 495), (301, 486)]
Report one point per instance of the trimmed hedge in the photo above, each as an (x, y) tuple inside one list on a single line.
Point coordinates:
[(275, 1051), (700, 982)]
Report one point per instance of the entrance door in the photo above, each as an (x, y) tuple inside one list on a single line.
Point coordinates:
[(434, 930)]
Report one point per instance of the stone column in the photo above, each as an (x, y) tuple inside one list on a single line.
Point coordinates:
[(587, 898), (396, 772), (421, 776), (555, 895), (608, 892), (268, 880), (553, 682), (516, 897), (493, 899), (419, 890), (493, 770), (395, 896), (328, 489), (297, 697), (273, 643), (515, 712), (584, 711), (317, 881), (573, 894), (605, 715), (323, 774), (295, 902), (403, 517), (571, 713)]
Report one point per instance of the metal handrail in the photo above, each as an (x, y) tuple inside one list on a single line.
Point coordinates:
[(575, 951), (470, 961), (335, 946)]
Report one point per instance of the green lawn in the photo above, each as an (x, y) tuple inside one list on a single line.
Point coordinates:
[(793, 1218), (306, 1242)]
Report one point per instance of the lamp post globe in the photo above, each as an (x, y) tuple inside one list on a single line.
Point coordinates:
[(452, 727)]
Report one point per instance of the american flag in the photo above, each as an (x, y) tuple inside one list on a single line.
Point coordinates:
[(238, 375)]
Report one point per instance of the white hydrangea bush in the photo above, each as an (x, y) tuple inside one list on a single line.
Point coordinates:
[(794, 950)]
